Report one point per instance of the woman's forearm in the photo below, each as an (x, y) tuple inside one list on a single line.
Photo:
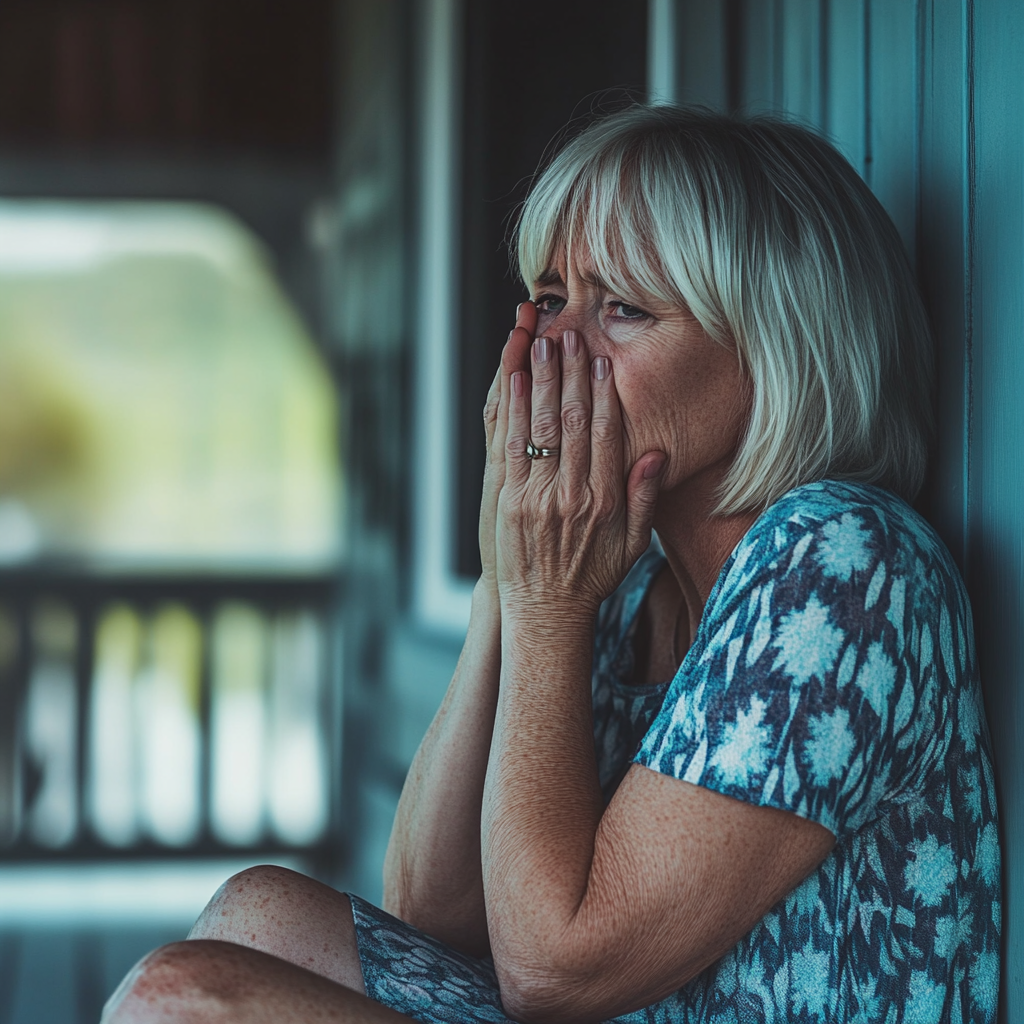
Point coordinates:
[(432, 872), (542, 800)]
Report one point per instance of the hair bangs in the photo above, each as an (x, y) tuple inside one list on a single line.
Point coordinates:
[(590, 215)]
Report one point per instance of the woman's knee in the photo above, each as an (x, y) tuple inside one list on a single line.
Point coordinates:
[(246, 902), (287, 915), (182, 981)]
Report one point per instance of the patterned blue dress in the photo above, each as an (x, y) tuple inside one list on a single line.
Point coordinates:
[(833, 675)]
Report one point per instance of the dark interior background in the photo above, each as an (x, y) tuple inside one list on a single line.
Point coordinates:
[(529, 69), (188, 74)]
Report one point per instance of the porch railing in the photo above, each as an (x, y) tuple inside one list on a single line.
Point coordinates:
[(148, 715)]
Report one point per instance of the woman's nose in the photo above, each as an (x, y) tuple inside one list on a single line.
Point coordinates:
[(584, 325)]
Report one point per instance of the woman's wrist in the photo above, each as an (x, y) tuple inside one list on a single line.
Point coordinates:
[(558, 612), (534, 630), (485, 608)]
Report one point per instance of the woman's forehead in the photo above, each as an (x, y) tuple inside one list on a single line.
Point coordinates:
[(579, 264), (579, 268)]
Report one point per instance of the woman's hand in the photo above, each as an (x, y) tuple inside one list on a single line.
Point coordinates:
[(568, 527), (514, 357)]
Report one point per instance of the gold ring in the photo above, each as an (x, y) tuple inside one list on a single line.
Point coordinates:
[(533, 452)]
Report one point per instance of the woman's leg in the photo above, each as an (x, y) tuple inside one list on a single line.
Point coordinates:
[(289, 916), (208, 982)]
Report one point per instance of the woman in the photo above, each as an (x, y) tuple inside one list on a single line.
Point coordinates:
[(791, 812)]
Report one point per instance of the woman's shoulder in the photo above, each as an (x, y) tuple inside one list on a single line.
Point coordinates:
[(842, 531), (838, 638), (834, 569), (845, 510)]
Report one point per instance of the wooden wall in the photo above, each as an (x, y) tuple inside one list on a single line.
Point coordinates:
[(994, 464), (926, 99)]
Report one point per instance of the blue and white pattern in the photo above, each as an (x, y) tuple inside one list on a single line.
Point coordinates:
[(833, 675)]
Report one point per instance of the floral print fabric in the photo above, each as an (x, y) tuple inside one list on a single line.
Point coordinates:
[(419, 976), (833, 675)]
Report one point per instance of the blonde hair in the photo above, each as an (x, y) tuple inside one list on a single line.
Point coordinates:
[(776, 245)]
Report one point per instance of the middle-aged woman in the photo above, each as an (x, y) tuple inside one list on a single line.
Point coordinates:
[(737, 774)]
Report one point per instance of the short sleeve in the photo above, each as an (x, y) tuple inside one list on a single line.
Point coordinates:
[(811, 685)]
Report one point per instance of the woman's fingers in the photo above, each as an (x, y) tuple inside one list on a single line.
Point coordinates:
[(514, 357), (641, 496), (513, 426), (575, 412), (572, 405), (546, 407), (517, 463), (606, 464), (516, 354), (605, 429), (491, 409)]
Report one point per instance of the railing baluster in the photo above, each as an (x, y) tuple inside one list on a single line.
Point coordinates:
[(10, 663), (65, 663), (84, 656)]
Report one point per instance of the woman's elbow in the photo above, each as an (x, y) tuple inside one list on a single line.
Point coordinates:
[(533, 1001), (547, 992)]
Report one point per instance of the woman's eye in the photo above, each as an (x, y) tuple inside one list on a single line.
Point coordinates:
[(627, 312), (550, 304)]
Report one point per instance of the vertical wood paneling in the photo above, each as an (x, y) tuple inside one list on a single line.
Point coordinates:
[(995, 561), (702, 69), (662, 58), (892, 113), (845, 116), (802, 60), (943, 259), (760, 55)]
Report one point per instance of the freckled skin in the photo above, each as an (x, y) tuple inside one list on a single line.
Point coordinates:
[(287, 915), (208, 982), (272, 946)]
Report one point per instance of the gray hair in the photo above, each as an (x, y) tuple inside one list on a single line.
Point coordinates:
[(776, 246)]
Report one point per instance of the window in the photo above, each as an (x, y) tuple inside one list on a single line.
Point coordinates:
[(165, 422)]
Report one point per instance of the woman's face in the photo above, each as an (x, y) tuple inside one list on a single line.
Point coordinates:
[(681, 392)]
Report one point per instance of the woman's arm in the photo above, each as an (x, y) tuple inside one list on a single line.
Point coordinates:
[(588, 926), (594, 913), (432, 874)]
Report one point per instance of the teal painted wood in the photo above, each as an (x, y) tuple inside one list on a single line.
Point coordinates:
[(803, 57), (943, 257), (845, 120), (701, 67), (760, 55), (995, 558), (891, 161)]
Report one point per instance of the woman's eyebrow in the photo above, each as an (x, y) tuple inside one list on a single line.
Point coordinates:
[(587, 277), (550, 276)]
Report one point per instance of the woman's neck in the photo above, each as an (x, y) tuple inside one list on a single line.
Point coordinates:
[(697, 544)]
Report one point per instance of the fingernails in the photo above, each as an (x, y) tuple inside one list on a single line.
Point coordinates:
[(519, 307), (570, 343), (542, 350), (517, 384), (654, 467), (601, 368), (510, 333)]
